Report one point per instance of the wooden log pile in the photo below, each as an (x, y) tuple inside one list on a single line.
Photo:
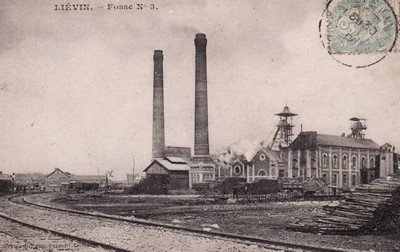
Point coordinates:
[(372, 207)]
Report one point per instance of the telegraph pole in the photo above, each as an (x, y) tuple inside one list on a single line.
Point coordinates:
[(133, 172)]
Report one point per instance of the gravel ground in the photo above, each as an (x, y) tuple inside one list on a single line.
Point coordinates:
[(261, 220), (15, 237), (124, 235)]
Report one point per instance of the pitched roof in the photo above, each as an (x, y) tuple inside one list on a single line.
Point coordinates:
[(58, 169), (176, 160), (307, 140), (170, 165), (272, 155), (346, 142)]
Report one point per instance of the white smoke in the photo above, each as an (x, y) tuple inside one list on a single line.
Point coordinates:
[(246, 148)]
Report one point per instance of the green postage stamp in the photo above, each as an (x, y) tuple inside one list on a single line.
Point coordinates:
[(360, 26)]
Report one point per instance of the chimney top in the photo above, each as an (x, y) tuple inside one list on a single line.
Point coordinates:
[(200, 36), (158, 55)]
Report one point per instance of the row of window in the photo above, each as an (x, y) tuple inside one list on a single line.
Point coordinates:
[(335, 161), (206, 176), (345, 162), (237, 170), (334, 181)]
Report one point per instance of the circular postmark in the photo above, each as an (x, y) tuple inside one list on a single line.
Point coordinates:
[(358, 33)]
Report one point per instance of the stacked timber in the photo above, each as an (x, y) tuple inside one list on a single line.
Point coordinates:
[(370, 207)]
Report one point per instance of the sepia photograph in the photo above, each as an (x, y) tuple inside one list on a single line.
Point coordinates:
[(205, 125)]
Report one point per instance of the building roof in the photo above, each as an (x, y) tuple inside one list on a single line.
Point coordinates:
[(272, 155), (58, 169), (286, 112), (170, 165), (5, 176), (176, 160), (307, 140), (88, 178), (22, 178), (346, 142)]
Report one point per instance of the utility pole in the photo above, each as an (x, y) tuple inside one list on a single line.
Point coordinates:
[(133, 172)]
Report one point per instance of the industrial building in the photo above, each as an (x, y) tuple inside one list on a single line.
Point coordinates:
[(59, 180), (337, 163), (178, 162), (176, 168)]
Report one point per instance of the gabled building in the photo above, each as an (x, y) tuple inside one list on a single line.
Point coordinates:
[(342, 162), (57, 180), (177, 169), (264, 164)]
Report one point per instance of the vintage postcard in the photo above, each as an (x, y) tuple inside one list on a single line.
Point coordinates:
[(207, 125)]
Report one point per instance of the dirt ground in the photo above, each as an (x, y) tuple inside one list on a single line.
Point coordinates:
[(266, 220)]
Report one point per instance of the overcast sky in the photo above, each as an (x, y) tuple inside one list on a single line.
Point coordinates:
[(76, 86)]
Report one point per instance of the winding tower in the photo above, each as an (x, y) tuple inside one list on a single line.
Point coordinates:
[(358, 127), (284, 132)]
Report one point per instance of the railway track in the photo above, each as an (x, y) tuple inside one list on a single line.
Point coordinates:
[(249, 243), (18, 236)]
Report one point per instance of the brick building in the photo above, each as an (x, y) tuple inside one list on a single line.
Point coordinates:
[(264, 164), (342, 162)]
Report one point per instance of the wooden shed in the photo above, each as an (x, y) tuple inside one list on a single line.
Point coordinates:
[(176, 168)]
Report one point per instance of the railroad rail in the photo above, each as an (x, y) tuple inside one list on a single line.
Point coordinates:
[(248, 240)]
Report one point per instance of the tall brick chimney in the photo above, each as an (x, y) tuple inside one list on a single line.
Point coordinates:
[(201, 145), (158, 106)]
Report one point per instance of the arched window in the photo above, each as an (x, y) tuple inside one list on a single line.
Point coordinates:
[(372, 162), (237, 169), (353, 180), (344, 162), (313, 163), (262, 157), (324, 159), (295, 172), (294, 163), (354, 162), (363, 162), (334, 181), (324, 177), (335, 160), (262, 173)]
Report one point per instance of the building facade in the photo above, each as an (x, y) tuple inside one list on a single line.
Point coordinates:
[(341, 162), (177, 169), (264, 164)]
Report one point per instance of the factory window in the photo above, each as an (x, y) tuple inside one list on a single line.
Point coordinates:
[(334, 181), (335, 161), (295, 172), (281, 173), (313, 172), (324, 159), (344, 162), (237, 169), (363, 162), (313, 163), (344, 178), (353, 180), (372, 162), (294, 163), (262, 173), (324, 177), (354, 162), (262, 157)]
